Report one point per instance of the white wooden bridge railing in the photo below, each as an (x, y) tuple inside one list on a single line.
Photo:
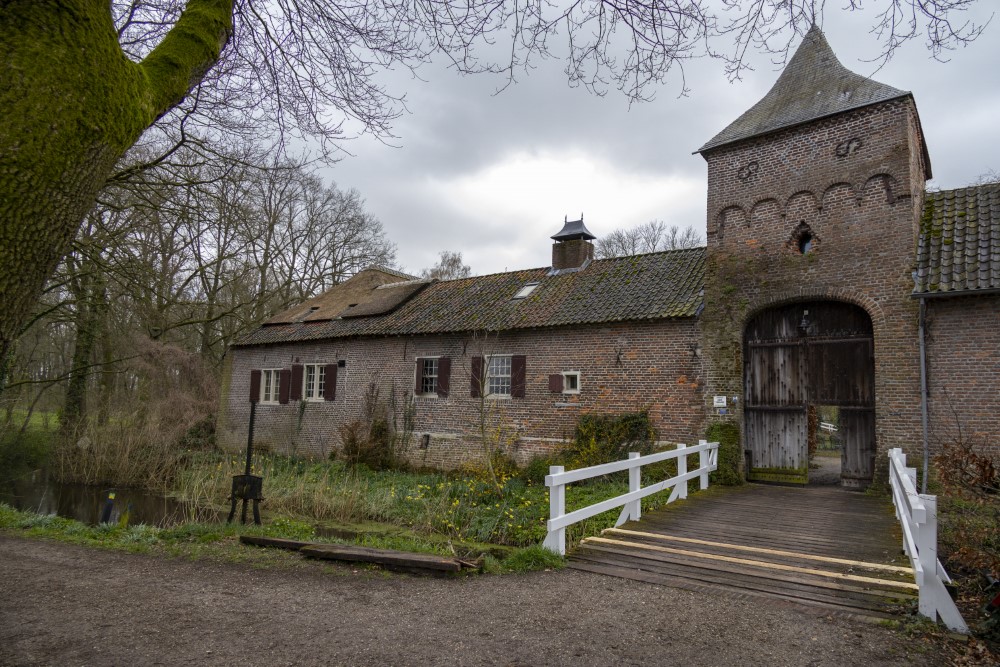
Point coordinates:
[(918, 515), (631, 502)]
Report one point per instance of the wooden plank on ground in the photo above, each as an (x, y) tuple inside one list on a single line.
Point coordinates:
[(276, 542), (385, 557)]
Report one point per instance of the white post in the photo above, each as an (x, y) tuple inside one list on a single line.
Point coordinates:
[(555, 540), (703, 463), (635, 484), (682, 468), (926, 539)]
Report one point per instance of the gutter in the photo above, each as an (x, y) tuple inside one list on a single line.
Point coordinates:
[(923, 389), (959, 292)]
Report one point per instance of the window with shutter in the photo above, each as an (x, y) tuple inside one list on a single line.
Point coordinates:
[(518, 375), (284, 385), (476, 377), (270, 385), (295, 388), (330, 382), (314, 382), (254, 386), (444, 377)]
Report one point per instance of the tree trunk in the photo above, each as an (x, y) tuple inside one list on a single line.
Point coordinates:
[(71, 104)]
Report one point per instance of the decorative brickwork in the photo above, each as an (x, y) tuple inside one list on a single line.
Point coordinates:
[(860, 205)]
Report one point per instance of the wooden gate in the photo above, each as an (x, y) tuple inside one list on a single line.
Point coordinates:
[(817, 353)]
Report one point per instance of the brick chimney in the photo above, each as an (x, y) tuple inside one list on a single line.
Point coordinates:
[(572, 248)]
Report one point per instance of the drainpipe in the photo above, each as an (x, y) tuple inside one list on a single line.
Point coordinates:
[(923, 389)]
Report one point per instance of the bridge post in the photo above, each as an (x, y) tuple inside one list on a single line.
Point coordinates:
[(682, 469), (555, 540), (704, 459)]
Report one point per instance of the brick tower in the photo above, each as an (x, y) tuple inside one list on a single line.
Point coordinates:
[(814, 198)]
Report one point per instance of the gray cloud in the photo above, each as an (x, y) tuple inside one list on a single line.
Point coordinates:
[(459, 129)]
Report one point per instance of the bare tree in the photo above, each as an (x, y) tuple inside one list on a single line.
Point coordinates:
[(448, 267), (653, 236), (82, 80)]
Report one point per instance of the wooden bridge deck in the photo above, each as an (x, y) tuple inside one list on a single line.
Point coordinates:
[(825, 547)]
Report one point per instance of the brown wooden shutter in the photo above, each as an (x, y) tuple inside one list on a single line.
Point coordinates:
[(330, 382), (556, 383), (518, 374), (418, 384), (477, 377), (283, 384), (254, 386), (444, 376), (295, 389)]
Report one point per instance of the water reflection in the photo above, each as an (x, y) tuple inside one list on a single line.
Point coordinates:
[(38, 493)]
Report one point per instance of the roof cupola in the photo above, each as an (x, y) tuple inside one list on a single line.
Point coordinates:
[(572, 249)]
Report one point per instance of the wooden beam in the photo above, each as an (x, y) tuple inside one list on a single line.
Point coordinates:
[(754, 563), (384, 557), (773, 552)]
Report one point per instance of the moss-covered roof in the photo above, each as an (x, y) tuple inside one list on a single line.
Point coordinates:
[(639, 287), (959, 244), (813, 85)]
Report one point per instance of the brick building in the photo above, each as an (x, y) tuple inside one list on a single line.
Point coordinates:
[(827, 270)]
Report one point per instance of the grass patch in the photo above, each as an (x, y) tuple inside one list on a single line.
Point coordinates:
[(457, 508)]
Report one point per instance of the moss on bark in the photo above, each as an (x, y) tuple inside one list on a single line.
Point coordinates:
[(71, 104)]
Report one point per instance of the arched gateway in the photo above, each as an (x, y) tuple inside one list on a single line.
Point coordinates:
[(801, 361)]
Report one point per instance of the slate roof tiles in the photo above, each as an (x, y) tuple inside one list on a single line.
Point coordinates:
[(813, 85)]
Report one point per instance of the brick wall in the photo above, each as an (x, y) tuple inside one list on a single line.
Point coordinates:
[(963, 350), (854, 181), (623, 367)]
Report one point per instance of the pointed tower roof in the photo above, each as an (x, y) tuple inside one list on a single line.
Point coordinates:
[(813, 85)]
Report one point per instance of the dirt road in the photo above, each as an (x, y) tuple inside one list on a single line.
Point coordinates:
[(67, 605)]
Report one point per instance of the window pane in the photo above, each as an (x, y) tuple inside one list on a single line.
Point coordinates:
[(310, 382), (499, 375), (428, 376), (321, 382)]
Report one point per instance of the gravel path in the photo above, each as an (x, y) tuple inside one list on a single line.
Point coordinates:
[(67, 605)]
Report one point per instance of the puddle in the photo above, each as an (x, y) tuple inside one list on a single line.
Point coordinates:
[(38, 493)]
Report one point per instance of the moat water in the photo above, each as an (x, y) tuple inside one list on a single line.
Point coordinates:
[(37, 492)]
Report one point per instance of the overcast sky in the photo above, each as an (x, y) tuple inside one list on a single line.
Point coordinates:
[(493, 175)]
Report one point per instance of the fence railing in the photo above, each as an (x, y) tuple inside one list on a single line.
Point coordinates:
[(631, 502), (917, 514)]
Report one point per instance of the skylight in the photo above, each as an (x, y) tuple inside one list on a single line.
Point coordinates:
[(526, 290)]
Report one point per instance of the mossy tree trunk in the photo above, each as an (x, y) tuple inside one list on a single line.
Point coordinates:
[(71, 104)]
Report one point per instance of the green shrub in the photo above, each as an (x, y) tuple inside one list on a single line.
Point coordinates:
[(603, 438), (538, 467), (727, 434)]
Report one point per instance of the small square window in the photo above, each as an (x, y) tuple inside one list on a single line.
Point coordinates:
[(571, 382)]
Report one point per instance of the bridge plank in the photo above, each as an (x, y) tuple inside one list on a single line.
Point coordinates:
[(823, 547)]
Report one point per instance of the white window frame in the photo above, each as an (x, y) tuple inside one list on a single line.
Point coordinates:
[(436, 375), (566, 375), (313, 388), (270, 385), (490, 375)]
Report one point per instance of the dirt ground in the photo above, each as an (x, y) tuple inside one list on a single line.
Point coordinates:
[(67, 605)]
